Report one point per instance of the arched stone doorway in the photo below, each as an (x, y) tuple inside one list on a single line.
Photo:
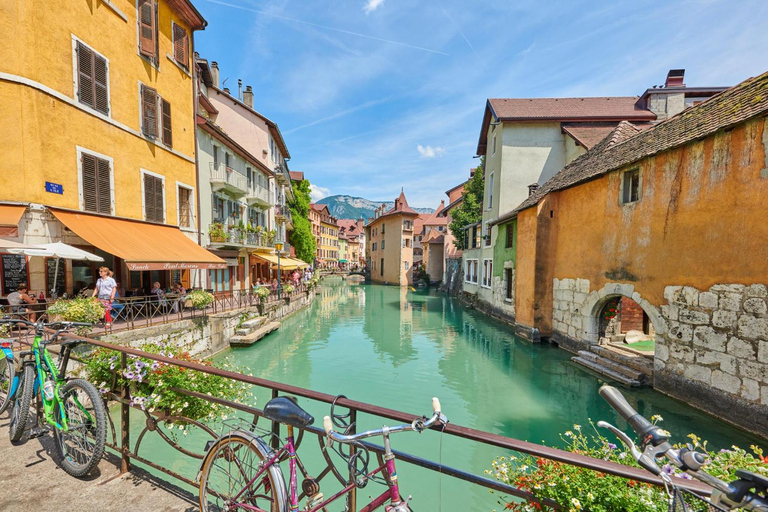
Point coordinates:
[(620, 316), (613, 296)]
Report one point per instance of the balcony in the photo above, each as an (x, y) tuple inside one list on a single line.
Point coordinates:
[(257, 195), (283, 214), (220, 235), (226, 179)]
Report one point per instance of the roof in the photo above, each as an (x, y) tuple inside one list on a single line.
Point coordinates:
[(628, 144), (434, 219), (615, 108), (587, 135), (448, 192), (349, 226), (434, 237), (452, 205), (401, 207), (296, 175), (320, 207), (189, 13)]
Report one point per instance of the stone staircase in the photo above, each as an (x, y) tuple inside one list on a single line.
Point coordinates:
[(252, 331), (616, 363)]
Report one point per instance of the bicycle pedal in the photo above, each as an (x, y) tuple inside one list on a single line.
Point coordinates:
[(37, 432)]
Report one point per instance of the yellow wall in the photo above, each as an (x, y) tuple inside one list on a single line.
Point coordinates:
[(43, 130), (700, 221), (331, 236), (394, 254)]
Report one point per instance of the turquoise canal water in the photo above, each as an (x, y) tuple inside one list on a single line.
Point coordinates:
[(398, 348)]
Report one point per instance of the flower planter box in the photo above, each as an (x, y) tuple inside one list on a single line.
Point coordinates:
[(218, 239)]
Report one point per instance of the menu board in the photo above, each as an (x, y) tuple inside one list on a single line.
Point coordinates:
[(14, 272), (60, 283)]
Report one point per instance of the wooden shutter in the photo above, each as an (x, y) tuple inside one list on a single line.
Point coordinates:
[(180, 45), (184, 207), (153, 198), (148, 111), (100, 95), (167, 132), (90, 183), (147, 28), (84, 74), (97, 196)]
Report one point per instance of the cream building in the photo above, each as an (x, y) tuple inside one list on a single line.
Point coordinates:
[(390, 243)]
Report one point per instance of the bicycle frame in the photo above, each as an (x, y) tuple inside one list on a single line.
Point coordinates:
[(391, 494), (7, 349)]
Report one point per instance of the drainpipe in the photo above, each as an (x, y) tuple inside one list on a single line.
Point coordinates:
[(197, 163)]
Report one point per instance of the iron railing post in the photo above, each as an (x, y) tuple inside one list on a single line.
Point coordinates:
[(275, 427), (125, 422), (352, 496)]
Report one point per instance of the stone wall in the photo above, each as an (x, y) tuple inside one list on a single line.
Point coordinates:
[(499, 291), (715, 353), (569, 298), (454, 276)]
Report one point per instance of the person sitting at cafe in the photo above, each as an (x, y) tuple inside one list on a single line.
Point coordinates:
[(274, 285), (157, 290), (179, 290), (18, 299)]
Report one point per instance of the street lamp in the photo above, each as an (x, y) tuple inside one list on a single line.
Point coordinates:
[(279, 247)]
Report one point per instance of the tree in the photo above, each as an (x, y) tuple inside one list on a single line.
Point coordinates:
[(301, 237), (471, 209)]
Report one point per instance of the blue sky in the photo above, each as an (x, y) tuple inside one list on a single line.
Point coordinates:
[(375, 95)]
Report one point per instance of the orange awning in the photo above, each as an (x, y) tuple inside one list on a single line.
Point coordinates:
[(143, 246), (10, 215)]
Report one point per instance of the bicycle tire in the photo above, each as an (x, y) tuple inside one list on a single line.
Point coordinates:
[(82, 445), (7, 375), (229, 465), (20, 411)]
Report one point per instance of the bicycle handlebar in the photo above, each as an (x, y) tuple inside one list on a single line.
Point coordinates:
[(417, 425), (654, 442)]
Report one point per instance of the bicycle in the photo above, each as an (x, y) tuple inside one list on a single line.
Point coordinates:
[(8, 380), (748, 492), (73, 409), (241, 472)]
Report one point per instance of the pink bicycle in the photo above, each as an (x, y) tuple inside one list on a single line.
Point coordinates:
[(241, 472)]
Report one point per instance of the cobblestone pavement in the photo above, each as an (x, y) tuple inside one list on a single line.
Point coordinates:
[(32, 480)]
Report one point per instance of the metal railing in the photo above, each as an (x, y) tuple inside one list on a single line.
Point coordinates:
[(220, 173), (257, 193), (237, 236), (355, 408), (282, 210)]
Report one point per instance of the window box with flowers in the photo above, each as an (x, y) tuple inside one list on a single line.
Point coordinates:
[(217, 232)]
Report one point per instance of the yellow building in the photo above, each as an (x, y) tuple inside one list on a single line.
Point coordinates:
[(99, 99), (328, 241), (390, 243)]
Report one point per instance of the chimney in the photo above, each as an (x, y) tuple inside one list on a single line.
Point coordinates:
[(248, 96), (240, 89), (675, 78), (215, 73), (532, 188), (226, 90)]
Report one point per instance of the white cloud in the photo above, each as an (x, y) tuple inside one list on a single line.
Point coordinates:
[(316, 193), (429, 151), (372, 5)]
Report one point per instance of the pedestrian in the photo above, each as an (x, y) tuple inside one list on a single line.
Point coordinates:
[(17, 300), (105, 289)]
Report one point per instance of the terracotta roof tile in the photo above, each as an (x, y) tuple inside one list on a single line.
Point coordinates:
[(588, 135), (296, 175), (627, 144), (563, 109)]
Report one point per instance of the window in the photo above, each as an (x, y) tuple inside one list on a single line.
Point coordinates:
[(631, 186), (487, 235), (185, 207), (96, 179), (167, 132), (92, 78), (215, 156), (493, 149), (180, 46), (381, 267), (154, 198), (147, 18), (218, 209), (490, 191), (470, 272), (374, 246), (406, 264), (508, 276), (510, 229), (382, 244), (382, 228), (249, 177), (487, 273)]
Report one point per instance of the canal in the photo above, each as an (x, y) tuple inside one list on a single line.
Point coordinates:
[(396, 348)]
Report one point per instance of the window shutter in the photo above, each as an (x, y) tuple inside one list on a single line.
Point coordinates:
[(85, 74), (180, 45), (167, 132), (159, 217), (101, 100), (147, 28), (90, 187), (148, 111), (149, 197), (103, 183)]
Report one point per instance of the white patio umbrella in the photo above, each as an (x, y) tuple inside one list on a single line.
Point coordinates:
[(10, 244), (58, 250)]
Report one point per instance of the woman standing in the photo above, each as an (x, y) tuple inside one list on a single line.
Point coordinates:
[(105, 290)]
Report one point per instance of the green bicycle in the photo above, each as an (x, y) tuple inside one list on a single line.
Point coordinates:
[(73, 409)]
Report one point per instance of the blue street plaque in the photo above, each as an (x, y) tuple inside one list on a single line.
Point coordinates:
[(54, 188)]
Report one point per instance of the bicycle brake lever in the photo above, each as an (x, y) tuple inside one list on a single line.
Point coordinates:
[(624, 438), (646, 458)]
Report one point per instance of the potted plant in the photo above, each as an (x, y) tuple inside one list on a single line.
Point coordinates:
[(83, 309), (262, 292), (151, 383), (271, 236), (217, 233), (199, 299)]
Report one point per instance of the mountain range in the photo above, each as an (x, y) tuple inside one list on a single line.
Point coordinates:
[(348, 207)]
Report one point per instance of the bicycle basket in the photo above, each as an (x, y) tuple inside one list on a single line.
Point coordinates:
[(685, 501)]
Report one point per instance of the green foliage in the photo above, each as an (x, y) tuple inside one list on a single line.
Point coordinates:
[(200, 298), (262, 292), (287, 288), (216, 230), (301, 238), (85, 309), (470, 210), (583, 489), (151, 382)]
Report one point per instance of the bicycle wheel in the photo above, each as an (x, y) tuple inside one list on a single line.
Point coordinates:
[(7, 374), (20, 411), (81, 446), (227, 471)]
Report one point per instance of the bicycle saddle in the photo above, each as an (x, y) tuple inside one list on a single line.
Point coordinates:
[(284, 410)]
